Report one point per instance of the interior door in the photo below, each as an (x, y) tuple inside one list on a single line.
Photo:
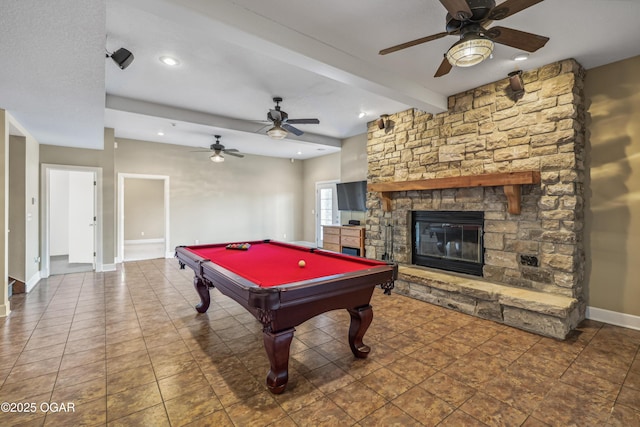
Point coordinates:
[(82, 221)]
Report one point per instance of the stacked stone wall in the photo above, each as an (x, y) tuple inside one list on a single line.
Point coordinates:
[(486, 131)]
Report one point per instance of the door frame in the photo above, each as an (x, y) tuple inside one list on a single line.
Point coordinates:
[(45, 207), (168, 251), (317, 224)]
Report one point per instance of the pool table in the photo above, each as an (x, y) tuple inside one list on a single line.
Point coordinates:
[(267, 280)]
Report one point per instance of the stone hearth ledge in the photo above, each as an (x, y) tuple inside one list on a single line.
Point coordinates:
[(539, 312)]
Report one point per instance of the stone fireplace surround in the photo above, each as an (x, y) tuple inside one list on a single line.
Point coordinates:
[(485, 132)]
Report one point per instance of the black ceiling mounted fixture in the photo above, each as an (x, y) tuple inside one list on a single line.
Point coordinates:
[(218, 149), (466, 19), (282, 123), (516, 85), (384, 122), (122, 57)]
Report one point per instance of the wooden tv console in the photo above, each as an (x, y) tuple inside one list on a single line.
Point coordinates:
[(338, 237)]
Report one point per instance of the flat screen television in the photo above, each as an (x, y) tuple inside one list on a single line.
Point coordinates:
[(352, 196)]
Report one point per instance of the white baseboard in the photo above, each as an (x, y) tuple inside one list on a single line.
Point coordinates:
[(143, 241), (31, 283), (613, 317), (108, 267)]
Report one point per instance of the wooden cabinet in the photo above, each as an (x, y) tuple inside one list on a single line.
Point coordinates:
[(331, 238), (338, 237)]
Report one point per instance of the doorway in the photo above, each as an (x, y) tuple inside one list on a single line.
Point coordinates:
[(70, 220), (143, 217), (326, 207)]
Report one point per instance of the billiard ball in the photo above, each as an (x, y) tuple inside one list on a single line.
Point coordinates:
[(301, 263)]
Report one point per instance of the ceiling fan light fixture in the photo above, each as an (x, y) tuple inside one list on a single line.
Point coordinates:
[(277, 132), (469, 50), (216, 158)]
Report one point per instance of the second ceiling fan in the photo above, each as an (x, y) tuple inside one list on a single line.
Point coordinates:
[(468, 18), (282, 124), (217, 149)]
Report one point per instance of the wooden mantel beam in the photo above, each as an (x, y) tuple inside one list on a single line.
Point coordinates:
[(511, 181)]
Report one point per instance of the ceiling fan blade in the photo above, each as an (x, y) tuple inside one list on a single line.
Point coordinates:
[(458, 9), (293, 130), (304, 121), (412, 43), (233, 153), (444, 68), (516, 38), (274, 115), (200, 151), (510, 7)]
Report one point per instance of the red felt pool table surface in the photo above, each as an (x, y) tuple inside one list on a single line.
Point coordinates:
[(269, 264)]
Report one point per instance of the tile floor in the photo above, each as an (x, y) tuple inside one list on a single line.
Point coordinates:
[(127, 348)]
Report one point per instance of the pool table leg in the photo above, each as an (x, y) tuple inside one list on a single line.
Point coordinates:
[(277, 346), (361, 318), (203, 290)]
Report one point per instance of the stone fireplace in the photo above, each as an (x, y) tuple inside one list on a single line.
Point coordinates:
[(517, 163)]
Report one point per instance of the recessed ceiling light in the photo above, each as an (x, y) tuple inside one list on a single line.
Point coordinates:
[(170, 61), (521, 57), (160, 133), (299, 153), (362, 114)]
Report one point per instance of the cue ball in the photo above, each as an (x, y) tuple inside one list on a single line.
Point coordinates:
[(301, 263)]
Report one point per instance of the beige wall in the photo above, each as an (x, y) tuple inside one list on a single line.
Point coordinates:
[(613, 213), (20, 171), (17, 208), (108, 165), (353, 158), (353, 167), (241, 199), (143, 209), (32, 199), (325, 168), (4, 211)]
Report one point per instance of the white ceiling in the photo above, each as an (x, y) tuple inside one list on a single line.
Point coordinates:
[(236, 55)]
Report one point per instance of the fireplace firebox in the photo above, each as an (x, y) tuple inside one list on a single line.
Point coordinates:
[(448, 240)]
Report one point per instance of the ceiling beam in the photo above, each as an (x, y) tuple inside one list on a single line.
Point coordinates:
[(225, 20), (145, 108)]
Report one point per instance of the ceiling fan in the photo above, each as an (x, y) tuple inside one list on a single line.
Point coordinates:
[(468, 19), (282, 123), (218, 149)]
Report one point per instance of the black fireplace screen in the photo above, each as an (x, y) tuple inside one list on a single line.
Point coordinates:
[(449, 240)]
